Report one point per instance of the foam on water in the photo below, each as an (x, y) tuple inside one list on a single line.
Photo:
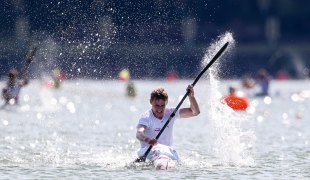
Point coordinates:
[(98, 139), (81, 124), (232, 134), (50, 133)]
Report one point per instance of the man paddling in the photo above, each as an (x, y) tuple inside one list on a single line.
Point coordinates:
[(11, 91), (152, 122), (263, 81)]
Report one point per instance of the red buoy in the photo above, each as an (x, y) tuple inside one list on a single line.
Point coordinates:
[(172, 76), (237, 101)]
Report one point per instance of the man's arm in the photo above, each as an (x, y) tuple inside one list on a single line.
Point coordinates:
[(193, 110), (24, 77), (140, 134), (5, 95)]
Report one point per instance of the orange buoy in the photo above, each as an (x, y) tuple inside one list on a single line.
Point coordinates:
[(237, 101)]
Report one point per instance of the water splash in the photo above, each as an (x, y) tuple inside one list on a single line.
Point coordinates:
[(232, 135)]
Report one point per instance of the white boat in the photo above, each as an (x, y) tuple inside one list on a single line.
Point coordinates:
[(161, 156), (163, 162)]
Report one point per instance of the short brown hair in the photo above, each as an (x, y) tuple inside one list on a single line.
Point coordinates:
[(159, 93)]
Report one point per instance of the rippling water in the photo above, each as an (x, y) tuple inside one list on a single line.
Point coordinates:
[(86, 129)]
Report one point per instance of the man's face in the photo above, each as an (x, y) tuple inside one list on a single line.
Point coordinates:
[(158, 107)]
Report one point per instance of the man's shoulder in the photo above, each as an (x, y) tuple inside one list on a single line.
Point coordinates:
[(146, 118), (169, 109), (146, 114)]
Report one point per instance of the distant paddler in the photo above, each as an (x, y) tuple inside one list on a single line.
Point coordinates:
[(10, 93), (58, 77), (124, 75), (262, 81), (131, 90)]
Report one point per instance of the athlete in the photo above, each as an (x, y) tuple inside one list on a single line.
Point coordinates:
[(152, 122), (10, 93), (263, 81)]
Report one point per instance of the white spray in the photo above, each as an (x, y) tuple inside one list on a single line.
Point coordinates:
[(233, 141)]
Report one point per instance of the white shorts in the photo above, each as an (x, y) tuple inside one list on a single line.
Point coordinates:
[(160, 149)]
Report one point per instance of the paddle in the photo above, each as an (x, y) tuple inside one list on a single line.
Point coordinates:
[(218, 54), (29, 59)]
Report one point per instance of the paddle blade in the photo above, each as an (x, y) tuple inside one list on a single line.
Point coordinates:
[(140, 159)]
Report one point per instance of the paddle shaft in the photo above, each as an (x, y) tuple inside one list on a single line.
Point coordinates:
[(218, 54), (30, 58)]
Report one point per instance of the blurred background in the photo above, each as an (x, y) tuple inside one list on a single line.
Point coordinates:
[(96, 39)]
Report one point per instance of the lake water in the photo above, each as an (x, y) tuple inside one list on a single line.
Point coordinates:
[(86, 129)]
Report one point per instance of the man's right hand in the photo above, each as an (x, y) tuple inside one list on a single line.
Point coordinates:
[(152, 142)]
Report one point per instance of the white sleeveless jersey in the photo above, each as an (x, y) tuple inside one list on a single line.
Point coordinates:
[(154, 125)]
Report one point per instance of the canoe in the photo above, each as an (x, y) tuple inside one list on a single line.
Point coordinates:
[(162, 162)]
